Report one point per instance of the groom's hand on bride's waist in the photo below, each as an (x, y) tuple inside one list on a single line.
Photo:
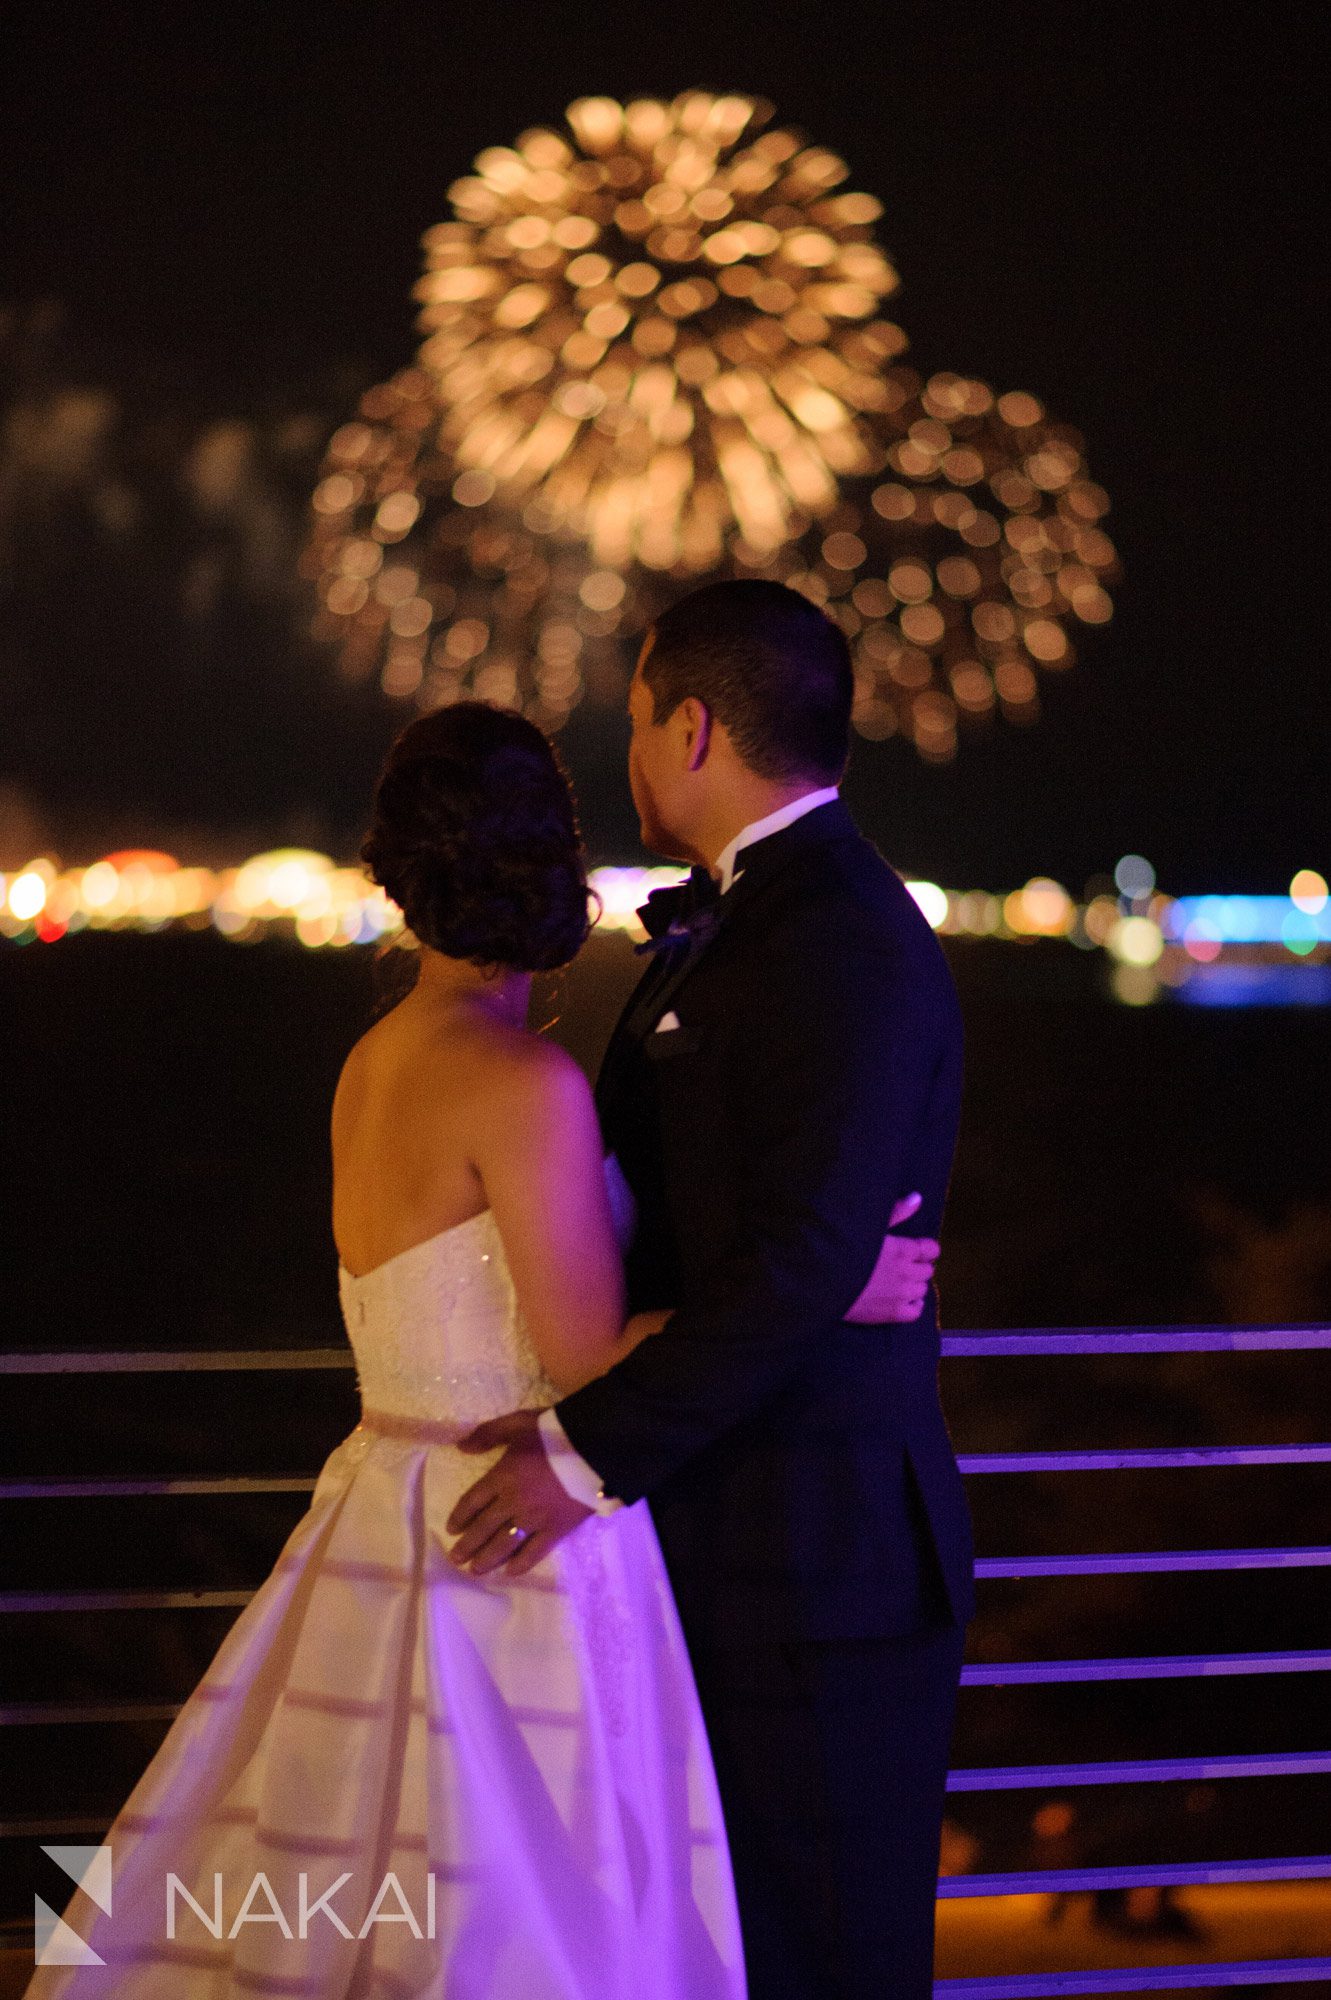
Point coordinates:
[(520, 1491), (519, 1510), (901, 1277)]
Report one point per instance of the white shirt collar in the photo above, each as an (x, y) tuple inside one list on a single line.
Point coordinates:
[(786, 815)]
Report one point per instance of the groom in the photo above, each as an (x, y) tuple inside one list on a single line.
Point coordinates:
[(790, 1060)]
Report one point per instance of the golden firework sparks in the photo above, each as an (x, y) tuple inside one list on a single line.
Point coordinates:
[(663, 324), (955, 574), (651, 355), (428, 581)]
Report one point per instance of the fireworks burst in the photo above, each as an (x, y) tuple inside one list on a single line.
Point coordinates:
[(652, 355), (955, 576), (441, 590), (661, 327)]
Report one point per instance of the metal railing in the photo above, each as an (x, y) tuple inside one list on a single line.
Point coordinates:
[(1065, 1342)]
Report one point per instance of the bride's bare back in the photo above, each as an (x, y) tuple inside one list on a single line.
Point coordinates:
[(448, 1106), (402, 1162)]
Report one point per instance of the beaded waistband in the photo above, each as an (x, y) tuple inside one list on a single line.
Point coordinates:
[(427, 1430)]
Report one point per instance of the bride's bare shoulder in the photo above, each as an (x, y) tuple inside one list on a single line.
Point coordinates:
[(517, 1072), (530, 1121), (357, 1063), (484, 1073)]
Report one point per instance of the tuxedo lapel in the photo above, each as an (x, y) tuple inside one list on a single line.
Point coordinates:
[(623, 1036), (758, 864), (648, 1001), (657, 997)]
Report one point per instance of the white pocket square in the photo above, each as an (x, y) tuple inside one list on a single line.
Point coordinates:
[(667, 1023)]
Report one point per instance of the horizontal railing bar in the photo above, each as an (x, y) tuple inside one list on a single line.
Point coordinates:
[(1162, 1874), (1039, 1881), (986, 1567), (1144, 1460), (1163, 1559), (1170, 1666), (1136, 1340), (113, 1487), (119, 1489), (1009, 1674), (1138, 1979), (27, 1714), (24, 1714), (148, 1362), (1023, 1882), (123, 1600), (1138, 1771), (1053, 1340)]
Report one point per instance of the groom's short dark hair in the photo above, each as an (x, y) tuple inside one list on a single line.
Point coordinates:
[(768, 664)]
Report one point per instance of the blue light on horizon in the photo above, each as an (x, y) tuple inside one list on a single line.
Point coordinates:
[(1247, 920)]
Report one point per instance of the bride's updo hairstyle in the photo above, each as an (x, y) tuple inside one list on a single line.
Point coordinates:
[(475, 837)]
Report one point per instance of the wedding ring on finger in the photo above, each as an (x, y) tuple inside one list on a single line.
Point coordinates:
[(517, 1534)]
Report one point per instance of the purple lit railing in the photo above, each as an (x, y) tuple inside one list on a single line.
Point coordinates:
[(1174, 1666), (1138, 1979), (1084, 1341), (1153, 1559), (1138, 1340), (1138, 1771), (1053, 1881), (1150, 1460), (1178, 1874)]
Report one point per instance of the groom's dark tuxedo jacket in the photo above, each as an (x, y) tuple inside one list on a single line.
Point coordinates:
[(798, 1468)]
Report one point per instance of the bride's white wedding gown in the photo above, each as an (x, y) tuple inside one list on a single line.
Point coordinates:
[(375, 1715)]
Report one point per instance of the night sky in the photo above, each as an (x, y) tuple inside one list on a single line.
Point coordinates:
[(1111, 207)]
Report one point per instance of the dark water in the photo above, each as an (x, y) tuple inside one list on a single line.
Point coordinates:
[(168, 1179), (167, 1185)]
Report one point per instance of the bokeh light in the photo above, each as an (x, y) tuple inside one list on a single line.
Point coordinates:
[(958, 573), (933, 902), (662, 323), (1134, 877), (1235, 950), (27, 894), (1136, 941), (955, 577), (1135, 985), (427, 580), (1299, 933), (1308, 892), (653, 354), (1042, 909)]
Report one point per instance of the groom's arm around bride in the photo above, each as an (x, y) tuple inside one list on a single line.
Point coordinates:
[(817, 1074)]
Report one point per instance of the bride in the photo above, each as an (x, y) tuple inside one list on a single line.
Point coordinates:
[(398, 1777)]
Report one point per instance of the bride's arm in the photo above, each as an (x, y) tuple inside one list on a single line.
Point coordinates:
[(539, 1155)]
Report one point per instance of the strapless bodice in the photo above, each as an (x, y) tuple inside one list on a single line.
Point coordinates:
[(437, 1332)]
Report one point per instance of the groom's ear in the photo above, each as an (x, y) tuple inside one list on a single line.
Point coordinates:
[(697, 721)]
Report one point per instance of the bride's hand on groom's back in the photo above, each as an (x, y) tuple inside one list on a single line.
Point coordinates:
[(900, 1280)]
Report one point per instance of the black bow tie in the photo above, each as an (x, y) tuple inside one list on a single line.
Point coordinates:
[(685, 914)]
